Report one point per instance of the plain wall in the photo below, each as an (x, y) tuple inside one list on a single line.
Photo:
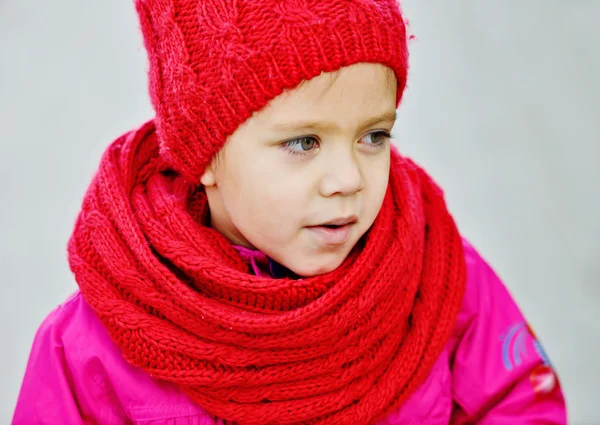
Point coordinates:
[(502, 108)]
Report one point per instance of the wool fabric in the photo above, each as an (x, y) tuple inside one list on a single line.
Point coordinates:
[(212, 63), (345, 347)]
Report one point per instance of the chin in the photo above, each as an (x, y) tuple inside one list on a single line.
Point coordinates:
[(316, 269)]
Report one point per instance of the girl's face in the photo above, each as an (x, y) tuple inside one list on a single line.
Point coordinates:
[(304, 178)]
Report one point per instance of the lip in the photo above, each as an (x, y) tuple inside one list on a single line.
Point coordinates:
[(338, 235), (341, 221)]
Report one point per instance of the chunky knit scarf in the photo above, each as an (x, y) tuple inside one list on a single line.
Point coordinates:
[(342, 348)]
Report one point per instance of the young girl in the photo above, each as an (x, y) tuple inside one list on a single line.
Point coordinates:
[(260, 254)]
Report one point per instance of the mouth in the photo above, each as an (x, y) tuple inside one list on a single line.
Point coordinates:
[(339, 222), (336, 231)]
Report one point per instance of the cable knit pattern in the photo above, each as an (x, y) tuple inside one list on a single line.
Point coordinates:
[(342, 348), (214, 62)]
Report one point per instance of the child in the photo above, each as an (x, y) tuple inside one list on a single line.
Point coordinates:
[(304, 272)]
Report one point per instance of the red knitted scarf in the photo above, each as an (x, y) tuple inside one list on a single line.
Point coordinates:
[(342, 348)]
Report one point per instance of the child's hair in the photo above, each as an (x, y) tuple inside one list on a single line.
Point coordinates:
[(215, 62)]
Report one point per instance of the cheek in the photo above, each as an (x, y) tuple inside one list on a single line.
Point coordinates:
[(377, 179), (264, 207)]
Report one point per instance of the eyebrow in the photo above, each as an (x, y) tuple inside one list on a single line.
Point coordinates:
[(328, 126)]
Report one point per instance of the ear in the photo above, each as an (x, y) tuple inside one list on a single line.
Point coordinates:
[(208, 179)]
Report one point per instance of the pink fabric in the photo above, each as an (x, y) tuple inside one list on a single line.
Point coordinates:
[(260, 263), (492, 372)]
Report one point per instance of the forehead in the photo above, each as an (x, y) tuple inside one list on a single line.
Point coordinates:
[(351, 92)]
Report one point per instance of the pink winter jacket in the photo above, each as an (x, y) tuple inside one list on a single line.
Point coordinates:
[(493, 371)]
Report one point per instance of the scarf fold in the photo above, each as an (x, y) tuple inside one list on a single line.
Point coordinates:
[(346, 347)]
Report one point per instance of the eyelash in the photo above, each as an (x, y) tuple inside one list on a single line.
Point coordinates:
[(291, 143)]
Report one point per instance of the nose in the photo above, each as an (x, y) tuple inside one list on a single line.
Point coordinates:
[(343, 175)]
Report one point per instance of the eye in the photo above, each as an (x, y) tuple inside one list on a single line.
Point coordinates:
[(376, 138), (301, 145)]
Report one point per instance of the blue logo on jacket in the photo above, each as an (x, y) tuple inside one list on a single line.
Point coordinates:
[(513, 347)]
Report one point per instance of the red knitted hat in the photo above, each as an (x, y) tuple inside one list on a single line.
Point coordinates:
[(215, 62)]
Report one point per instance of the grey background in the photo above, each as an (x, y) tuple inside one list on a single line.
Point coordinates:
[(502, 108)]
